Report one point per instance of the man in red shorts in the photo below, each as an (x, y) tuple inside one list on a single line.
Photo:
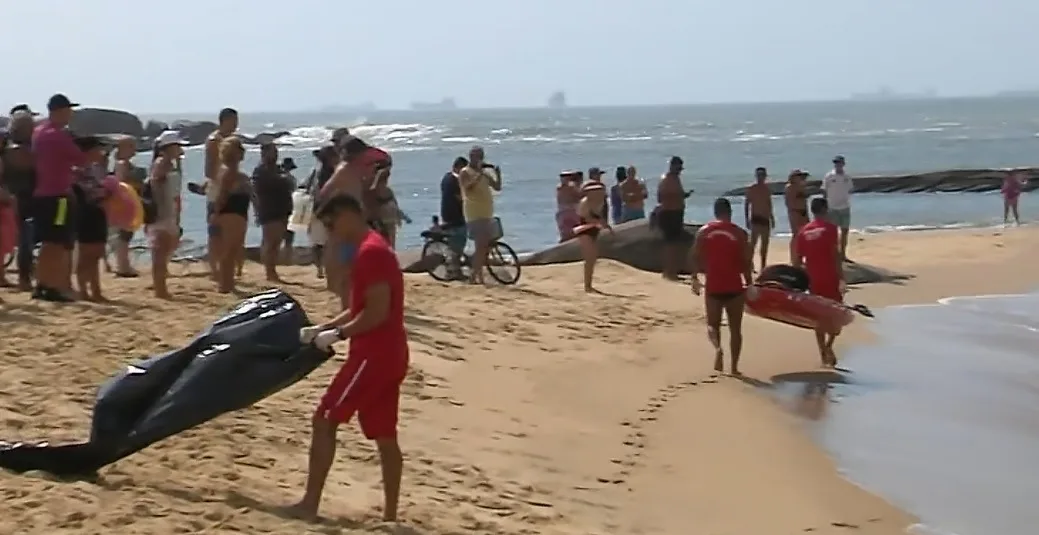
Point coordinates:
[(817, 248), (369, 382), (722, 251)]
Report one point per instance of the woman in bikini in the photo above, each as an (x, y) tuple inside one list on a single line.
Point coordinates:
[(166, 182), (568, 197), (231, 211), (592, 222), (796, 203)]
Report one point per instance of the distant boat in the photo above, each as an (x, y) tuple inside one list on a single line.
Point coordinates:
[(447, 103), (886, 93), (557, 100)]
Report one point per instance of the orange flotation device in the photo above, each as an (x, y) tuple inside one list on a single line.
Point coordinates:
[(8, 230), (780, 294)]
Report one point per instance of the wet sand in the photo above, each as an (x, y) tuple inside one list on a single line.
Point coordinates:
[(533, 409)]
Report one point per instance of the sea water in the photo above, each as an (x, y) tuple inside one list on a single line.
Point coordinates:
[(721, 146), (941, 415)]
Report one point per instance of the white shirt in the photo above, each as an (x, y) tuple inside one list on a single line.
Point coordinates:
[(837, 187)]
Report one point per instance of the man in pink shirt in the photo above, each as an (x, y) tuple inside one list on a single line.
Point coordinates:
[(57, 156)]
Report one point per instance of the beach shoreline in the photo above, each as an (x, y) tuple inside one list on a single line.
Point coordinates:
[(529, 409)]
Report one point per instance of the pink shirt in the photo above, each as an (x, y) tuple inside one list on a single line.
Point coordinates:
[(56, 154)]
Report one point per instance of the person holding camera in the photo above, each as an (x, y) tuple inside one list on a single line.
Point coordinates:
[(479, 181)]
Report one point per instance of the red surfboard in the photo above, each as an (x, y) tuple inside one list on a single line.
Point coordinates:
[(797, 308)]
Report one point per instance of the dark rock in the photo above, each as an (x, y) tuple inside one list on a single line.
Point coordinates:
[(954, 180), (98, 121), (152, 129), (194, 132)]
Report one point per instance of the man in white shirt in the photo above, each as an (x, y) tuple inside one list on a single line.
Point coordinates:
[(837, 186)]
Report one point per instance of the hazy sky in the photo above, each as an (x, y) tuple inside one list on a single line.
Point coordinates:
[(200, 55)]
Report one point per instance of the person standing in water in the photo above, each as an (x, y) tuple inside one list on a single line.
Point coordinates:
[(633, 196), (1013, 184), (816, 247), (670, 215), (721, 251), (758, 214), (837, 188), (226, 126)]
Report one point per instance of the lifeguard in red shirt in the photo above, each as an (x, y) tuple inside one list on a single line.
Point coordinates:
[(722, 253), (817, 249), (368, 384)]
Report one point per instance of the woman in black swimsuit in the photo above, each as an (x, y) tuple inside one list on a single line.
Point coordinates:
[(796, 204), (231, 210), (593, 220)]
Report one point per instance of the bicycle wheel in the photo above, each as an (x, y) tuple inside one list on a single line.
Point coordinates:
[(434, 257), (503, 264)]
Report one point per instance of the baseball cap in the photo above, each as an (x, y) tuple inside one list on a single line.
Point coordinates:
[(22, 108), (798, 172), (169, 137), (60, 102), (595, 171), (838, 159), (289, 164)]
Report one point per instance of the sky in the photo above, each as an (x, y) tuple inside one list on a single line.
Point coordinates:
[(262, 55)]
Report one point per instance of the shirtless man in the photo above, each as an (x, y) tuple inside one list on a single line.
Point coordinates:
[(796, 199), (670, 215), (227, 125), (721, 252), (633, 198), (757, 213)]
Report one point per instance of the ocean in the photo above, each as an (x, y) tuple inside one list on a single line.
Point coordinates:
[(941, 415), (721, 145)]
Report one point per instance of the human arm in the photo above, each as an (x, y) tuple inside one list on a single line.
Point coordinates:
[(748, 259), (771, 212), (371, 274), (495, 180), (225, 181), (339, 177), (746, 208), (837, 256), (212, 163), (696, 256)]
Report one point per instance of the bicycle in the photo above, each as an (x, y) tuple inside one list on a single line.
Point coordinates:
[(444, 264)]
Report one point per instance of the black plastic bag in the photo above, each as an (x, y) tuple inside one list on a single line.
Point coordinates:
[(245, 356)]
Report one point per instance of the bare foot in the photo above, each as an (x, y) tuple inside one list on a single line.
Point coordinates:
[(302, 511)]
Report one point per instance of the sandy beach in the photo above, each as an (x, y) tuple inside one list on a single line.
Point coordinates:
[(535, 409)]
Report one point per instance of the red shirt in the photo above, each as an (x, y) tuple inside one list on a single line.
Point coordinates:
[(723, 248), (817, 243), (376, 263), (56, 154)]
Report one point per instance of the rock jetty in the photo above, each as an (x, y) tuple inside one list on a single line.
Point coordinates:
[(953, 180)]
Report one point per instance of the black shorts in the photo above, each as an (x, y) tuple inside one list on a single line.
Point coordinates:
[(724, 298), (760, 221), (53, 220), (671, 224), (91, 225)]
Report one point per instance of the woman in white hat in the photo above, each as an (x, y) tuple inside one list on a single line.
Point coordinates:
[(165, 183)]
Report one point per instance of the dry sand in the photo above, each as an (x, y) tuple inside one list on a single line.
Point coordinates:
[(535, 409)]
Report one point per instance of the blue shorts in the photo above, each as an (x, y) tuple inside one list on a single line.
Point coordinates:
[(631, 214), (840, 217)]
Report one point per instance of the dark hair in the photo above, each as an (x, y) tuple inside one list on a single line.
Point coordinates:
[(675, 160), (353, 146), (622, 173), (337, 204), (226, 114), (722, 207), (459, 162), (819, 206), (760, 170)]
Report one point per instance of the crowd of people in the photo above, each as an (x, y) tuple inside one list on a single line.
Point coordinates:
[(53, 178)]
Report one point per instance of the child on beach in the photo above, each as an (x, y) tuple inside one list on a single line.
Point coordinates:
[(1013, 183)]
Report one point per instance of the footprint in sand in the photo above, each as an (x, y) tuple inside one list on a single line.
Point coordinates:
[(635, 442)]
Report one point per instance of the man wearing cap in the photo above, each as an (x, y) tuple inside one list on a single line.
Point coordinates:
[(837, 188), (18, 175), (56, 155)]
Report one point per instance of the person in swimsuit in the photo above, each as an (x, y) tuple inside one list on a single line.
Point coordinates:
[(1013, 183), (568, 198), (125, 149), (633, 197), (721, 251), (796, 199), (89, 218), (758, 214), (166, 182), (227, 124), (592, 222), (670, 215), (817, 248), (272, 194), (231, 210)]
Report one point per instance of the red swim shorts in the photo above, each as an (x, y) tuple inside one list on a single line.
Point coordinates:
[(368, 390)]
